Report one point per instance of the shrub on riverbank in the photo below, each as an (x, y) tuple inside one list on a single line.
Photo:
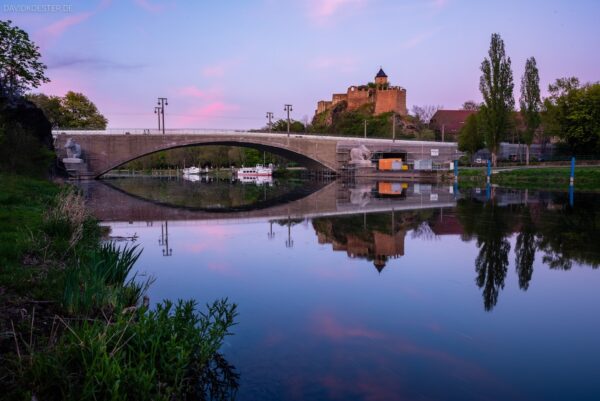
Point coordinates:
[(586, 178), (156, 354)]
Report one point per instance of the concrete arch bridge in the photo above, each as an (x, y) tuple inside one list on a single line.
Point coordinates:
[(90, 153)]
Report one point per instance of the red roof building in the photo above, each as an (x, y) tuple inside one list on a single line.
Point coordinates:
[(449, 122)]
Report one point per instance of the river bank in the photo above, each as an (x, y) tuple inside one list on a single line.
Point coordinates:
[(74, 319), (586, 178)]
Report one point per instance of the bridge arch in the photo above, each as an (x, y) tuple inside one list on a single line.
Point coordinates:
[(304, 160)]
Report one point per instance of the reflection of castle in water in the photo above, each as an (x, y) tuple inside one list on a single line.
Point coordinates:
[(374, 245)]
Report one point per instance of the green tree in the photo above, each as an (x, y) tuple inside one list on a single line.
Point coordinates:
[(79, 112), (530, 103), (496, 86), (470, 137), (281, 126), (20, 68), (51, 106), (572, 113)]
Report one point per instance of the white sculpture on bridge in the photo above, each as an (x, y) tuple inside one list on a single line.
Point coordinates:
[(73, 152), (361, 156)]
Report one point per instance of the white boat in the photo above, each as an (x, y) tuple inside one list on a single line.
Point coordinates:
[(191, 170), (256, 179), (258, 171)]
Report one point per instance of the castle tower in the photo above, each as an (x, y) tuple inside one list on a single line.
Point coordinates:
[(381, 78)]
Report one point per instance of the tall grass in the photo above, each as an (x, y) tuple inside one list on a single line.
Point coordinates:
[(101, 281), (169, 353)]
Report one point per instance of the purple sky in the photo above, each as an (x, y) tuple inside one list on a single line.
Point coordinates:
[(224, 64)]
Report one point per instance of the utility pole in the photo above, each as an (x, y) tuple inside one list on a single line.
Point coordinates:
[(157, 112), (365, 129), (270, 117), (394, 127), (162, 102), (288, 108)]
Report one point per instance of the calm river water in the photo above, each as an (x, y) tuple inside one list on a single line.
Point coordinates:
[(379, 290)]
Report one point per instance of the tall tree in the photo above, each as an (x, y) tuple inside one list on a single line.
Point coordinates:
[(496, 86), (51, 106), (80, 112), (530, 103), (20, 68)]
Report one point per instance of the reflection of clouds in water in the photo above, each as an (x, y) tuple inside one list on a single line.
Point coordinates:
[(385, 359)]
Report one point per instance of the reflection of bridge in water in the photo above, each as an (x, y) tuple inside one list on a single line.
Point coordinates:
[(337, 198)]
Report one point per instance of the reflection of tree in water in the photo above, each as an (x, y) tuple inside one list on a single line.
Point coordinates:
[(565, 235), (568, 235), (491, 225), (219, 380), (525, 250)]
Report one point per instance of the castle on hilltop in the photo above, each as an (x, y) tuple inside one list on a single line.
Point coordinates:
[(381, 94)]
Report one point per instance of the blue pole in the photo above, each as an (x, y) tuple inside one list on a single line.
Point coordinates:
[(455, 169), (571, 195), (572, 177), (489, 170)]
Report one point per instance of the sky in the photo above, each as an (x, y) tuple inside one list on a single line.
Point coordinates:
[(224, 64)]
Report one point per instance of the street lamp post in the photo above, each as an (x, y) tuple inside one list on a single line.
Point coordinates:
[(157, 112), (162, 102), (270, 117), (288, 108)]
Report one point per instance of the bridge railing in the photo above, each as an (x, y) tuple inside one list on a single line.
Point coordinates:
[(145, 131), (207, 131)]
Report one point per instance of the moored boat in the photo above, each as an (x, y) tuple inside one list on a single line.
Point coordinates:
[(258, 171)]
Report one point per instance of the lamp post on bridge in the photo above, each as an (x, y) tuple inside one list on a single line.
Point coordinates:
[(157, 112), (288, 108), (270, 117), (162, 102)]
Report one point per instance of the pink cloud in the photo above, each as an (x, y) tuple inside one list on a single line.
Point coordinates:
[(194, 91), (321, 10), (221, 68), (57, 28), (204, 113)]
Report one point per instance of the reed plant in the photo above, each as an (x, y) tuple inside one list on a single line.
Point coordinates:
[(168, 353), (101, 281)]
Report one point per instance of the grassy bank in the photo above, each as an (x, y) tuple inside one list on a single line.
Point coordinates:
[(586, 178), (74, 321)]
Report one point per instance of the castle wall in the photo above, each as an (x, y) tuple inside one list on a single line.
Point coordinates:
[(323, 105), (357, 98), (338, 97), (393, 99)]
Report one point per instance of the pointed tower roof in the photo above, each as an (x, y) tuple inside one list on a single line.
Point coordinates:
[(381, 74)]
